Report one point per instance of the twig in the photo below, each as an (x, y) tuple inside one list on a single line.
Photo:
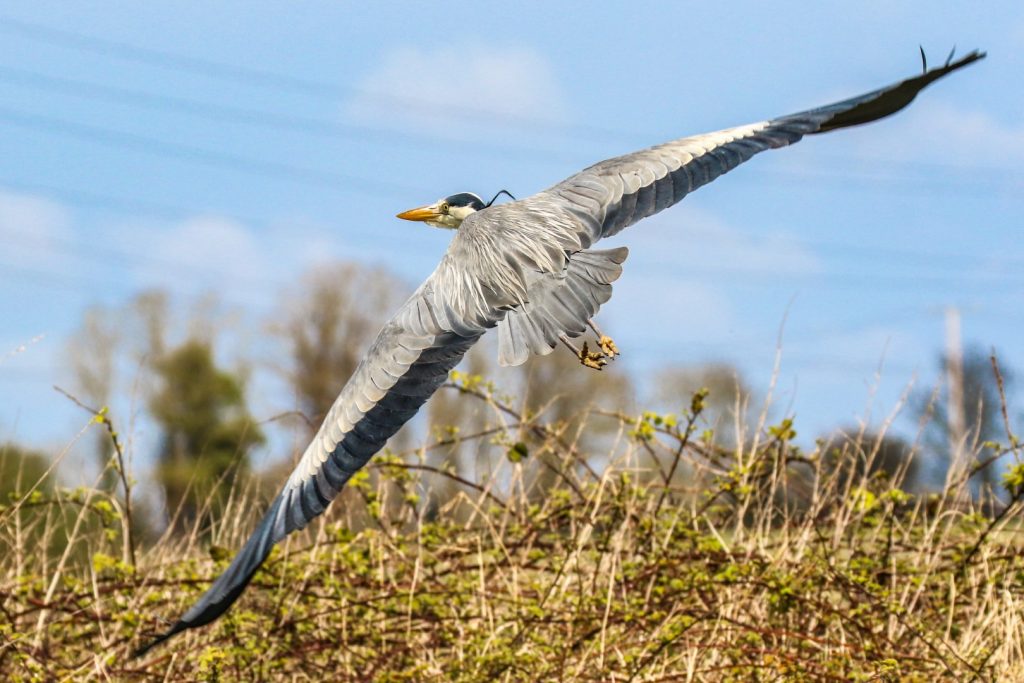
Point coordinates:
[(102, 417), (1002, 400), (443, 473)]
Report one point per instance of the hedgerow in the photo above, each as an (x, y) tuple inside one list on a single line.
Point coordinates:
[(664, 557)]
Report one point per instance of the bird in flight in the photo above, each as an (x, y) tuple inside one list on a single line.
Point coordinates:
[(528, 268)]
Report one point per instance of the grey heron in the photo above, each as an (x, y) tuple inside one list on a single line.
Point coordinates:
[(528, 268)]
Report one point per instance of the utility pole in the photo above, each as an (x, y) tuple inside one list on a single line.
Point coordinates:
[(955, 384)]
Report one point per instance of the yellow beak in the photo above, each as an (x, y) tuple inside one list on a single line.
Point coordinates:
[(424, 213)]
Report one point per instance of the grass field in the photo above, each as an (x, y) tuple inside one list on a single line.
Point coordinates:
[(666, 557)]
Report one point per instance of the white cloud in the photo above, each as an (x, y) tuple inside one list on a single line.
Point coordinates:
[(946, 133), (695, 240), (34, 231), (931, 140), (435, 89), (240, 262), (198, 254), (667, 309), (675, 284), (28, 212), (224, 249)]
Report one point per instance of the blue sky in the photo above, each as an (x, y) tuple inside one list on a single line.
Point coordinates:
[(248, 141)]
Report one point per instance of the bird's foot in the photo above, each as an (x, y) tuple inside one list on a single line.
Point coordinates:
[(591, 359), (588, 358), (608, 346)]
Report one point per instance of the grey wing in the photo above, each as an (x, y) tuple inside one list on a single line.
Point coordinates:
[(559, 302), (613, 194), (409, 360)]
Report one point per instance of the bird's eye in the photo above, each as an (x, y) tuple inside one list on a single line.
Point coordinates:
[(444, 207)]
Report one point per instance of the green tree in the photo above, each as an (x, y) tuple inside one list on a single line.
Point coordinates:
[(21, 470), (37, 516), (207, 432)]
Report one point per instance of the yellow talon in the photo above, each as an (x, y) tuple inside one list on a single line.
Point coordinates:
[(608, 346), (591, 359)]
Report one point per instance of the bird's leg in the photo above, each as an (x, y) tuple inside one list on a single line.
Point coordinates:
[(604, 341), (586, 356)]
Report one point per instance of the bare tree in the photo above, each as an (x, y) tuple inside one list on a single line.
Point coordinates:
[(93, 352), (328, 324), (981, 410)]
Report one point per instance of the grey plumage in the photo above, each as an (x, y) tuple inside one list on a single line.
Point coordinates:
[(559, 302), (526, 267)]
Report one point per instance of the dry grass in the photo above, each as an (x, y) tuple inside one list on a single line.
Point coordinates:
[(674, 559)]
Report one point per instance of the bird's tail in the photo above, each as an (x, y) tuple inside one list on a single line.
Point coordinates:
[(229, 585)]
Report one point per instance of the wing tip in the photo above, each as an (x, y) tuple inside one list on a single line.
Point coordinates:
[(165, 636), (886, 101), (227, 587), (951, 66)]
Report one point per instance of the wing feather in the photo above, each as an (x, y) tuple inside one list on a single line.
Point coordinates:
[(560, 303), (613, 194), (405, 365)]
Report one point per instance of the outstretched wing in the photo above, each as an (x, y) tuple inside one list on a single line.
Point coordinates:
[(409, 360), (614, 194)]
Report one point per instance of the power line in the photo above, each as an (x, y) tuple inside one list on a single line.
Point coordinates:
[(87, 286), (123, 206), (122, 95), (305, 125), (324, 127), (929, 167), (131, 206), (899, 184), (314, 126), (122, 139), (323, 178), (852, 248), (269, 79), (744, 278), (101, 255), (252, 76), (116, 138), (831, 279)]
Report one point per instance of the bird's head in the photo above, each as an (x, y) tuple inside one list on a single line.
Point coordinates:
[(449, 212)]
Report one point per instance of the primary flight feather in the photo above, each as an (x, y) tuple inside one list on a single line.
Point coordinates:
[(527, 268)]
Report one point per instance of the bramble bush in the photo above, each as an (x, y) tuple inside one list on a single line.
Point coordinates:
[(664, 556)]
